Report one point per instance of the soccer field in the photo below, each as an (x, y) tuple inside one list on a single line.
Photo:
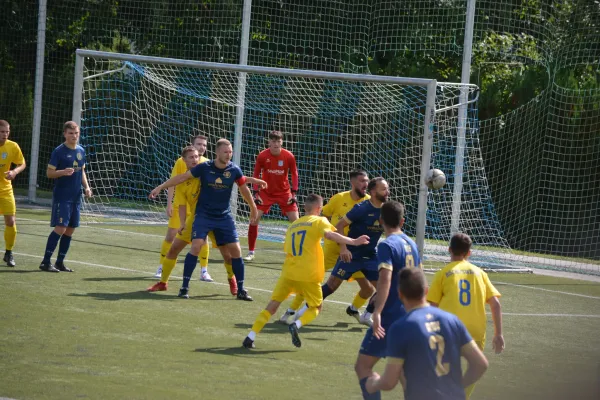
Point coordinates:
[(96, 333)]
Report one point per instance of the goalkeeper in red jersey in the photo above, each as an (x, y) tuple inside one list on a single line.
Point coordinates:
[(273, 165)]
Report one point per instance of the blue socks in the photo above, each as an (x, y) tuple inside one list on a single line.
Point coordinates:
[(367, 395), (188, 269), (237, 265), (326, 290), (63, 247), (51, 246)]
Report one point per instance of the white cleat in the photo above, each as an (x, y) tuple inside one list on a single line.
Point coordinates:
[(366, 319), (158, 272), (249, 257), (205, 277), (284, 318)]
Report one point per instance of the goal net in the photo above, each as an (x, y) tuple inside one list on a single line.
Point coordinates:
[(137, 115)]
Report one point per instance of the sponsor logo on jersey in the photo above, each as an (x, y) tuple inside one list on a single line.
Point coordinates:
[(226, 174), (79, 157), (218, 180), (276, 171), (4, 155), (280, 163)]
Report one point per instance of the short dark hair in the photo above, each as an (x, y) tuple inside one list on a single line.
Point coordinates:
[(223, 142), (275, 135), (392, 214), (187, 150), (460, 244), (412, 283), (4, 122), (199, 137), (358, 172), (312, 199), (373, 182), (70, 125)]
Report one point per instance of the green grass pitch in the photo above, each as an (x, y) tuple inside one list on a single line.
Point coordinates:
[(96, 334)]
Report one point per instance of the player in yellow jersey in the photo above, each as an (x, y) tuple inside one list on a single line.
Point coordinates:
[(463, 289), (186, 196), (303, 268), (334, 210), (10, 153), (199, 142)]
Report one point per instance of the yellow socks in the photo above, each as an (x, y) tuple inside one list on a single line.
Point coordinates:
[(164, 249), (229, 270), (297, 302), (358, 301), (204, 255), (261, 321), (308, 316), (167, 267), (10, 236)]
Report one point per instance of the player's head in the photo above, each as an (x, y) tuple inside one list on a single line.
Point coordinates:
[(190, 156), (224, 151), (71, 133), (313, 204), (412, 286), (199, 142), (460, 245), (378, 189), (4, 131), (359, 179), (392, 215), (275, 142)]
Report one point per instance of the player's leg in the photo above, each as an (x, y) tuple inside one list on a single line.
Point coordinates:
[(371, 350), (289, 210), (172, 229), (9, 209), (363, 295), (314, 299), (253, 230), (204, 252), (59, 219), (282, 290), (65, 239), (200, 228), (233, 288), (170, 261), (237, 265), (469, 389), (340, 272)]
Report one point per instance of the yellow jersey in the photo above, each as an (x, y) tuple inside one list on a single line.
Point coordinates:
[(463, 289), (339, 205), (303, 251), (10, 153), (191, 187)]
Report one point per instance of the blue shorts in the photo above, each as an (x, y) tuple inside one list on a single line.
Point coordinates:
[(223, 228), (371, 346), (368, 266), (65, 213)]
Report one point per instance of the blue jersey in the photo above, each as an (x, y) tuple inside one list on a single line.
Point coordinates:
[(67, 188), (394, 253), (216, 185), (364, 220), (428, 342)]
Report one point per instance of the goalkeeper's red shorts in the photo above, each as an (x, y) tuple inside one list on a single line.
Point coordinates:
[(281, 201)]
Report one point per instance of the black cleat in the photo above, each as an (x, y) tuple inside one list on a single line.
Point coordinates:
[(48, 267), (9, 259), (295, 337), (248, 343), (353, 313), (183, 293), (62, 267), (243, 295)]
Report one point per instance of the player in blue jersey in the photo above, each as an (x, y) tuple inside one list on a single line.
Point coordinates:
[(67, 167), (213, 213), (363, 219), (424, 349), (394, 253)]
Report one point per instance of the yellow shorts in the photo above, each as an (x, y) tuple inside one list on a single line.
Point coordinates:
[(331, 252), (174, 218), (480, 344), (310, 290), (7, 205), (186, 235)]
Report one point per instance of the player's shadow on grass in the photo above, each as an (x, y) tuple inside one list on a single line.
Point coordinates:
[(238, 351), (279, 328), (18, 271), (143, 295), (121, 278)]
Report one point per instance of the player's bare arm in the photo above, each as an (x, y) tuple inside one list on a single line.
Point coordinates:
[(86, 185), (345, 254), (258, 182), (170, 195), (53, 173), (341, 239), (12, 173), (247, 195), (174, 181), (478, 364), (182, 210), (394, 373), (383, 290), (498, 340)]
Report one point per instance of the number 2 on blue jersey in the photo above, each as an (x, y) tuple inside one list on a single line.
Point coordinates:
[(303, 235), (464, 294)]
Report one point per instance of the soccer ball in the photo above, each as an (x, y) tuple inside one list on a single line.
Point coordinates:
[(435, 179)]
